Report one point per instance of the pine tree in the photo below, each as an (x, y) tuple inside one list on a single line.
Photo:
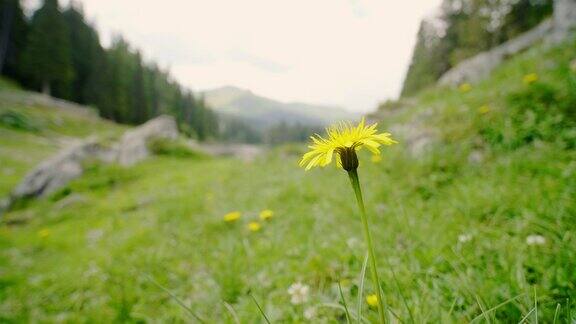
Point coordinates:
[(138, 104), (13, 30), (471, 26), (46, 58), (86, 57), (152, 77), (118, 78)]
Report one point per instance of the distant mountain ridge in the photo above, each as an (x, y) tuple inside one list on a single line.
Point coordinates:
[(261, 112)]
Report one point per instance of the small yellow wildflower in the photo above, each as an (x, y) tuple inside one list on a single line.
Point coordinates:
[(254, 226), (44, 233), (484, 109), (232, 216), (344, 140), (345, 282), (376, 159), (372, 300), (530, 78), (465, 87), (266, 214)]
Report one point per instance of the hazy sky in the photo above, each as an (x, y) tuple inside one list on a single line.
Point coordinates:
[(350, 53)]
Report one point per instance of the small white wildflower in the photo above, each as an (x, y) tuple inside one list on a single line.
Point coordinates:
[(463, 238), (92, 270), (535, 239), (352, 243), (94, 236), (298, 293), (309, 313)]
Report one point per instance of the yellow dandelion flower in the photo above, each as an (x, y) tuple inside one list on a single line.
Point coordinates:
[(372, 300), (465, 87), (344, 140), (232, 216), (376, 159), (254, 226), (44, 233), (484, 109), (266, 214), (530, 78)]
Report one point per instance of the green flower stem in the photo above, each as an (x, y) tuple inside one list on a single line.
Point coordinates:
[(373, 269)]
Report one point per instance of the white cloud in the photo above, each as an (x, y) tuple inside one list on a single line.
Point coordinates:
[(351, 53)]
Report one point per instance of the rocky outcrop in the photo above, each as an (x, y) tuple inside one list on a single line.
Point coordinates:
[(133, 148), (480, 66), (244, 152), (564, 18), (56, 172)]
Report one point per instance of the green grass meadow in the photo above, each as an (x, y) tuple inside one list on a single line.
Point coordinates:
[(450, 224)]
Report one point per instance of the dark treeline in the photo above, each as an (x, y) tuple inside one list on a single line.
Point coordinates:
[(288, 133), (465, 28), (59, 53), (239, 131)]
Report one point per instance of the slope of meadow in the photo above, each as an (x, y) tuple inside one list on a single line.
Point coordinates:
[(450, 225), (32, 129)]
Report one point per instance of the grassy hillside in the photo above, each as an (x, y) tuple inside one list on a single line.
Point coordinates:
[(451, 224), (32, 129)]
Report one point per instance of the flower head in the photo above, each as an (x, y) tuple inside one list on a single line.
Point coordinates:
[(463, 238), (298, 293), (535, 240), (344, 140), (372, 300), (465, 87), (309, 313), (232, 216), (266, 214), (44, 233), (530, 78), (484, 109), (254, 226)]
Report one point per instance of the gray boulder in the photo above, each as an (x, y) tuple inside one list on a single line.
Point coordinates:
[(133, 147), (553, 30), (480, 66), (564, 18), (58, 170)]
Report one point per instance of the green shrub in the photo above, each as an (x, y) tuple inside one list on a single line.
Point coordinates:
[(174, 148), (16, 120), (538, 112)]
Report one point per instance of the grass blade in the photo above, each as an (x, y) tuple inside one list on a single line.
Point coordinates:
[(452, 306), (556, 313), (178, 300), (495, 308), (260, 309), (535, 305), (344, 303), (341, 308), (232, 312), (361, 288), (482, 309), (526, 316), (403, 298)]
